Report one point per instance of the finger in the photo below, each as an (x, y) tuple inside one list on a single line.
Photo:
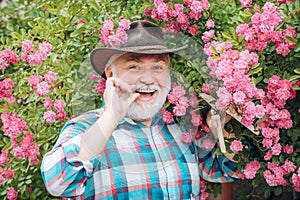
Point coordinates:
[(232, 110), (110, 82), (124, 87), (132, 98)]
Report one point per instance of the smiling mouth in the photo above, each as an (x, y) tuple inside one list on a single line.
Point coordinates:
[(145, 94)]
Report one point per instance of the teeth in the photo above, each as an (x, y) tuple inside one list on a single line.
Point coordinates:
[(145, 90)]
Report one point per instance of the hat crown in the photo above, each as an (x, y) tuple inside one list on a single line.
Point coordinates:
[(143, 37), (144, 34)]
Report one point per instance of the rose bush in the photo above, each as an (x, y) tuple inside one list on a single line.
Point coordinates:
[(252, 64)]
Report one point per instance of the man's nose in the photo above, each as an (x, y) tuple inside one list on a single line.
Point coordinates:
[(147, 77)]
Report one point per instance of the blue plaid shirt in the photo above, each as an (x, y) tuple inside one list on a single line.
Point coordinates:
[(138, 162)]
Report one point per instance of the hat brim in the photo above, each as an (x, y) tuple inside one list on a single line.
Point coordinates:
[(101, 55)]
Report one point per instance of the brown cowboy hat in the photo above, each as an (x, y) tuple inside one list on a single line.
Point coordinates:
[(143, 38)]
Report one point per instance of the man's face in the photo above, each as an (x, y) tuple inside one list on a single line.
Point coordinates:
[(150, 76)]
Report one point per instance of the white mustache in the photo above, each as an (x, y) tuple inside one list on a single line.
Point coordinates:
[(147, 87)]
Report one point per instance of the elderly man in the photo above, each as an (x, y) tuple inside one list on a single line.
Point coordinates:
[(124, 150)]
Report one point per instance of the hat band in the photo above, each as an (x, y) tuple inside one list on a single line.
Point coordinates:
[(137, 48)]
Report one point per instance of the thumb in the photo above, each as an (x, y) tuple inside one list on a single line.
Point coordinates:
[(132, 98)]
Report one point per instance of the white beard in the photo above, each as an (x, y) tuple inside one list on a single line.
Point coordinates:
[(144, 111)]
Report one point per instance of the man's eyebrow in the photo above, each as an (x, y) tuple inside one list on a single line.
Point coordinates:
[(133, 58), (161, 58)]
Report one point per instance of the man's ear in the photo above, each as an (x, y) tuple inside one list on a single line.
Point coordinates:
[(108, 72)]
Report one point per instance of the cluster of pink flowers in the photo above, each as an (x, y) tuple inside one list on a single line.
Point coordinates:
[(246, 3), (59, 106), (42, 87), (178, 98), (285, 1), (274, 175), (35, 58), (207, 35), (7, 57), (278, 92), (262, 29), (178, 104), (203, 193), (27, 149), (5, 173), (100, 87), (296, 180), (5, 90), (251, 169), (231, 68), (178, 15), (13, 126), (114, 37)]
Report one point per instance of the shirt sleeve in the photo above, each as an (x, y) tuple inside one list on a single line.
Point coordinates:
[(63, 173), (214, 167)]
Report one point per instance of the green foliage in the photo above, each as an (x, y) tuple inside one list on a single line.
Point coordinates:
[(56, 22)]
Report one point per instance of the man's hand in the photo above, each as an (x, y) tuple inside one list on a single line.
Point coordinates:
[(118, 96)]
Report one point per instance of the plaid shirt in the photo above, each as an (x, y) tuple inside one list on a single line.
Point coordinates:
[(138, 162)]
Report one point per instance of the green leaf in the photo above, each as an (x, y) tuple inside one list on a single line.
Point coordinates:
[(278, 191), (256, 181), (267, 193), (297, 55), (16, 35), (261, 120), (255, 71), (290, 39), (226, 35), (294, 77), (245, 16), (74, 34), (297, 70)]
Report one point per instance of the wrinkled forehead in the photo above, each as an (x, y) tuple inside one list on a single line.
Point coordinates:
[(140, 58)]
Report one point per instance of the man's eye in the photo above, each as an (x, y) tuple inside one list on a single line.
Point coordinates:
[(158, 68), (134, 68)]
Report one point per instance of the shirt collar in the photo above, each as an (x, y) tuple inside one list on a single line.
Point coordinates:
[(157, 119)]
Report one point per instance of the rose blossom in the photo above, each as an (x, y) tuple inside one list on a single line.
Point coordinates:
[(12, 194), (48, 103), (59, 105), (61, 115), (251, 169), (236, 146), (276, 149), (288, 149), (42, 89), (9, 173), (34, 80), (49, 116), (2, 180), (166, 116), (210, 23), (50, 77)]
